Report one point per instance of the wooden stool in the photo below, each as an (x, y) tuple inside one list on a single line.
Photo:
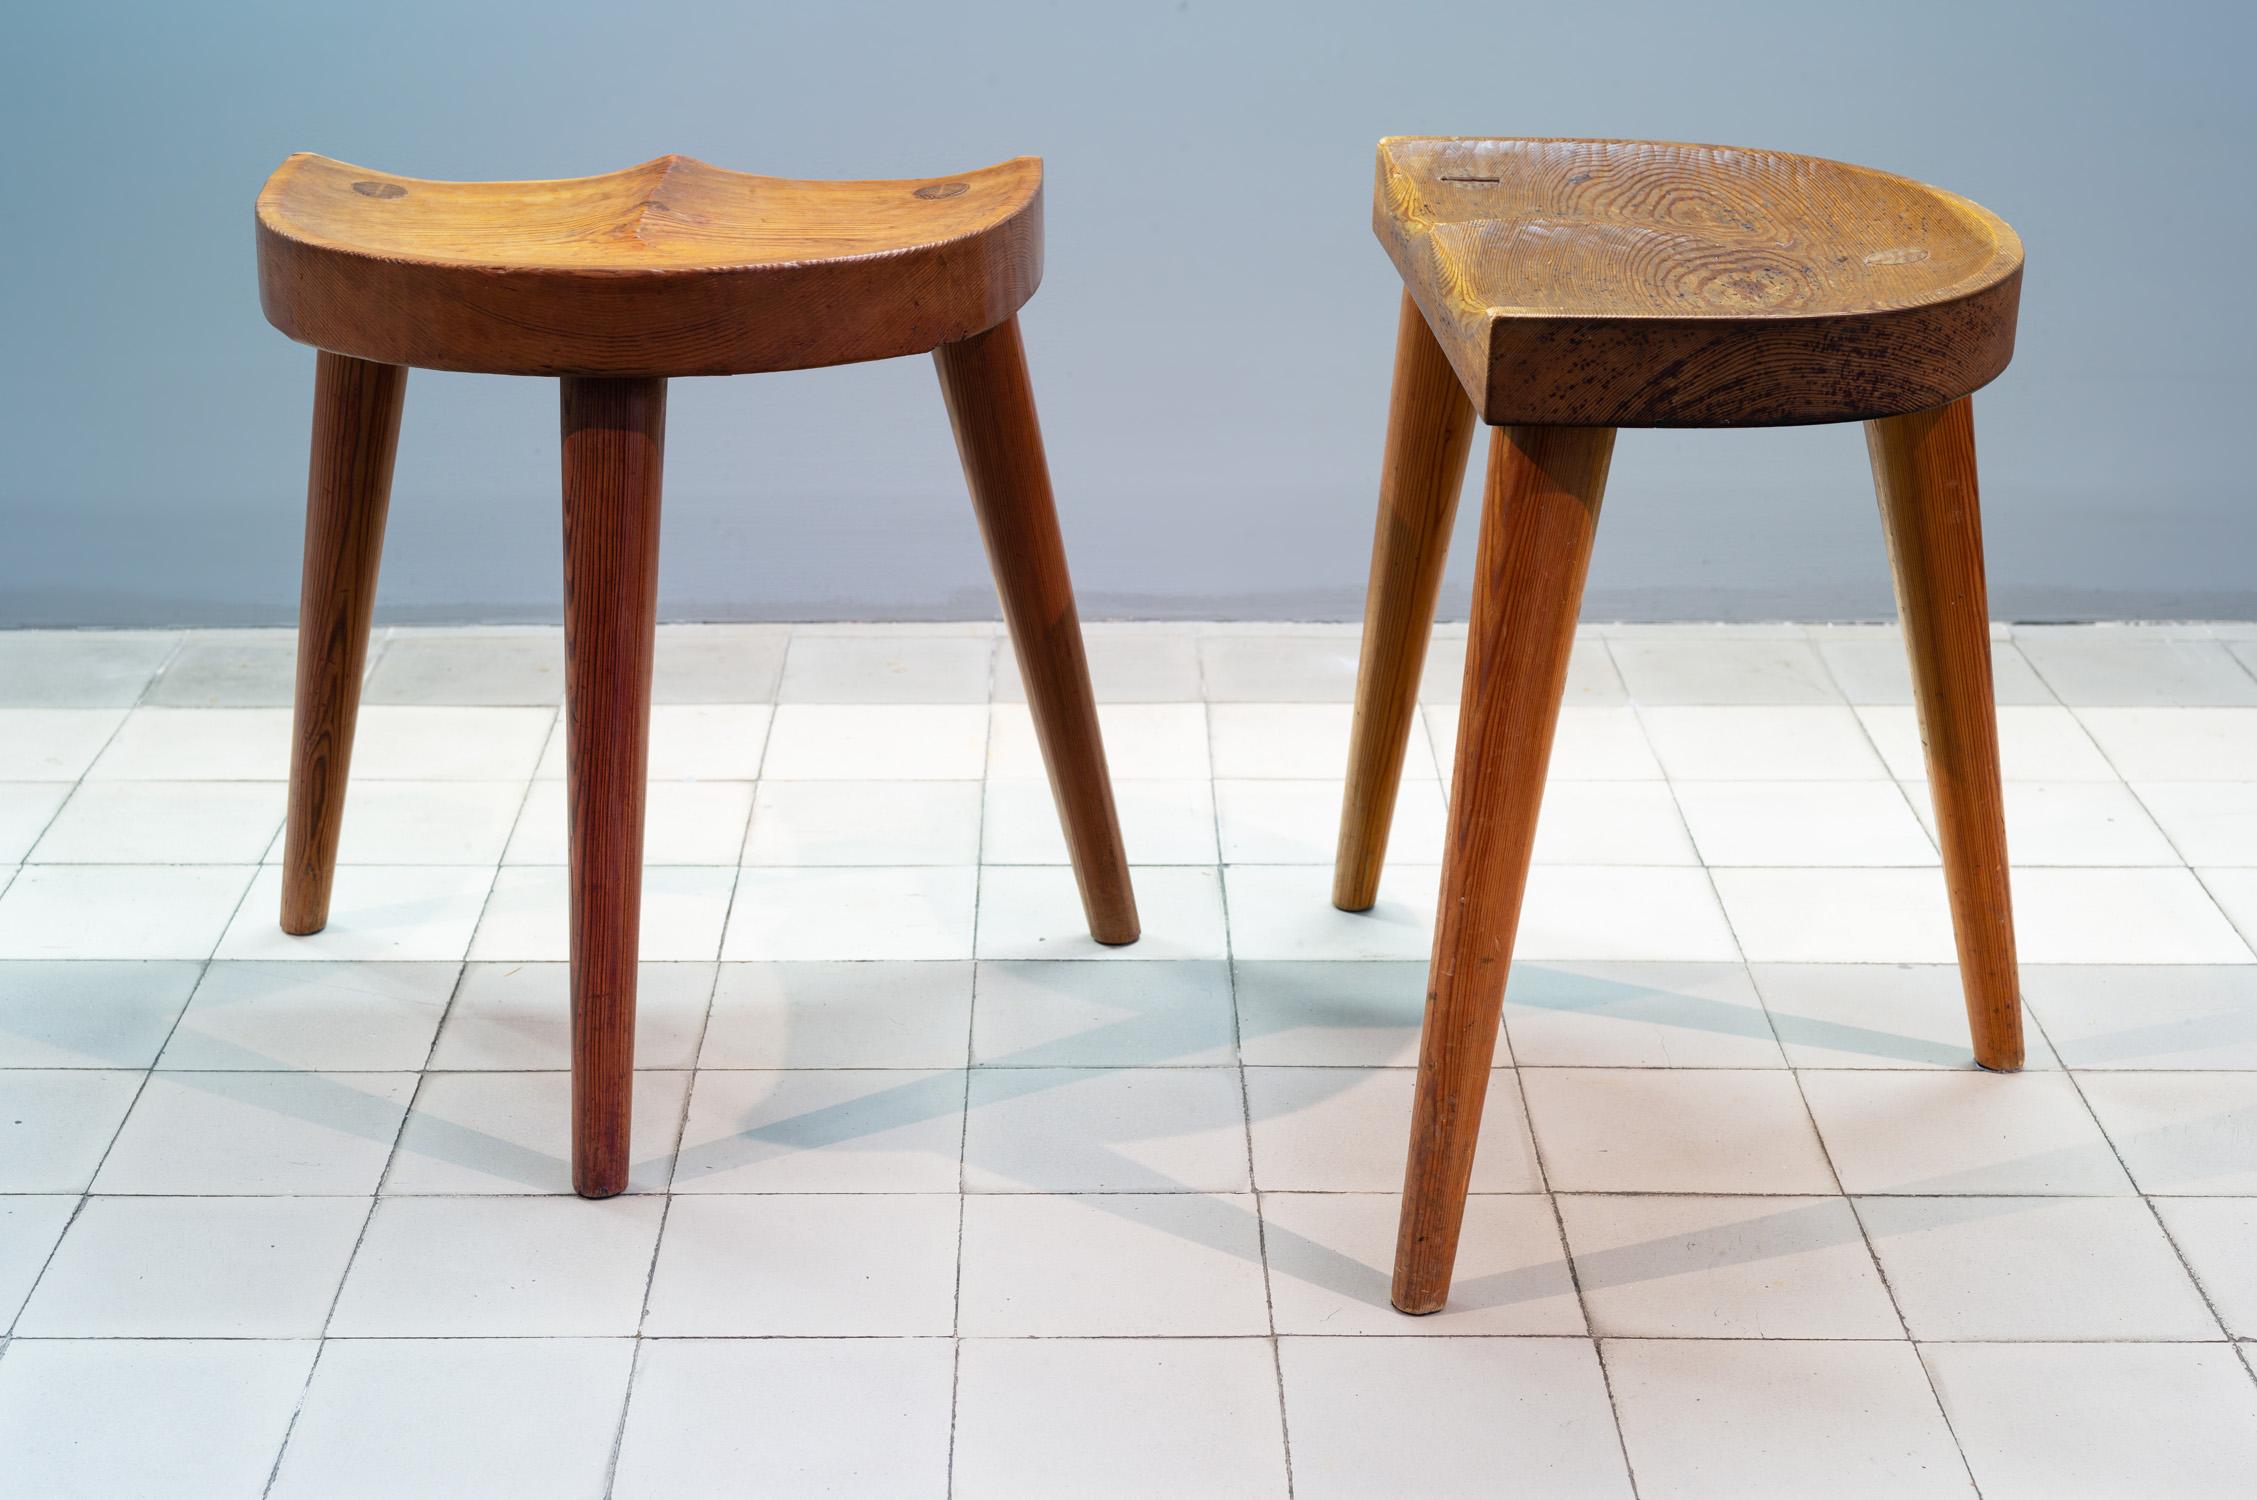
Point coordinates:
[(613, 284), (1559, 290)]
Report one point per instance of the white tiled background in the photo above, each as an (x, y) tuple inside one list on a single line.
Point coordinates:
[(932, 1194)]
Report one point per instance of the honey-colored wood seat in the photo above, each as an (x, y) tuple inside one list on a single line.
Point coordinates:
[(1559, 290), (674, 267), (614, 284), (1653, 284)]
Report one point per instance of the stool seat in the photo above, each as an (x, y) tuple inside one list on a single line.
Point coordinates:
[(674, 267), (1657, 284)]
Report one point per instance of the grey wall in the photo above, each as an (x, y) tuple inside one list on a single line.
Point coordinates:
[(1211, 346)]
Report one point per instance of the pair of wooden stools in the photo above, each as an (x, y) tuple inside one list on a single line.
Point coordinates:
[(1555, 289)]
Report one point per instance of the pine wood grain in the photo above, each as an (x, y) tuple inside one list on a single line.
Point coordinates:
[(673, 267), (1661, 284), (614, 447), (1429, 432), (356, 436), (1924, 473), (991, 407), (1539, 512)]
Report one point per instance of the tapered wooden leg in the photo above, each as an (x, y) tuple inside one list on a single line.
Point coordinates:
[(1924, 471), (356, 433), (1429, 430), (1537, 520), (991, 406), (614, 439)]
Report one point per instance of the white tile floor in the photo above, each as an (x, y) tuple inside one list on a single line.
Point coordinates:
[(933, 1195)]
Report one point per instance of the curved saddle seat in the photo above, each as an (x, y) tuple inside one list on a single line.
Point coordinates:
[(1655, 284), (674, 267)]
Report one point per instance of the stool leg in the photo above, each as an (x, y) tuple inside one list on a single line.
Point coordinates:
[(1924, 471), (1429, 430), (614, 440), (1537, 520), (356, 433), (991, 406)]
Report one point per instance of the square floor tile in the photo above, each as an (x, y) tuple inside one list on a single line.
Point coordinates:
[(2218, 1237), (876, 742), (1143, 742), (871, 912), (2041, 1421), (80, 911), (865, 823), (825, 1266), (2147, 1016), (1035, 911), (1804, 823), (512, 1133), (389, 912), (2185, 1133), (2235, 891), (1610, 823), (164, 823), (450, 744), (1043, 1417), (1105, 1130), (233, 669), (338, 1017), (1635, 1130), (1130, 661), (83, 1013), (718, 663), (1866, 1015), (2209, 822), (2033, 1268), (721, 1417), (56, 1125), (812, 1130), (1876, 669), (2070, 823), (1602, 1015), (1253, 665), (684, 823), (30, 1224), (2091, 916), (1592, 680), (526, 919), (492, 1417), (272, 1133), (1781, 1418), (1577, 912), (519, 1016), (1588, 744), (1842, 916), (1936, 1132), (1725, 1267), (1808, 743), (1298, 822), (1723, 671), (189, 1268), (1330, 1013), (470, 667), (1112, 1264), (80, 668), (689, 742), (2035, 743), (1162, 823), (500, 1267), (1347, 1130), (181, 1418), (2176, 744), (53, 744), (197, 744), (1544, 1401), (1050, 1014), (1286, 912), (2093, 666), (840, 1015), (887, 669), (1296, 742), (1332, 1257), (26, 808)]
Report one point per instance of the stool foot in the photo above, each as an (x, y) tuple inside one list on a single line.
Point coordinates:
[(1924, 473), (356, 435), (1429, 430), (614, 442), (1537, 520), (991, 406)]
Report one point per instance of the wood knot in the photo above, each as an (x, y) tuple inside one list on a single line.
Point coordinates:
[(380, 190), (943, 189)]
